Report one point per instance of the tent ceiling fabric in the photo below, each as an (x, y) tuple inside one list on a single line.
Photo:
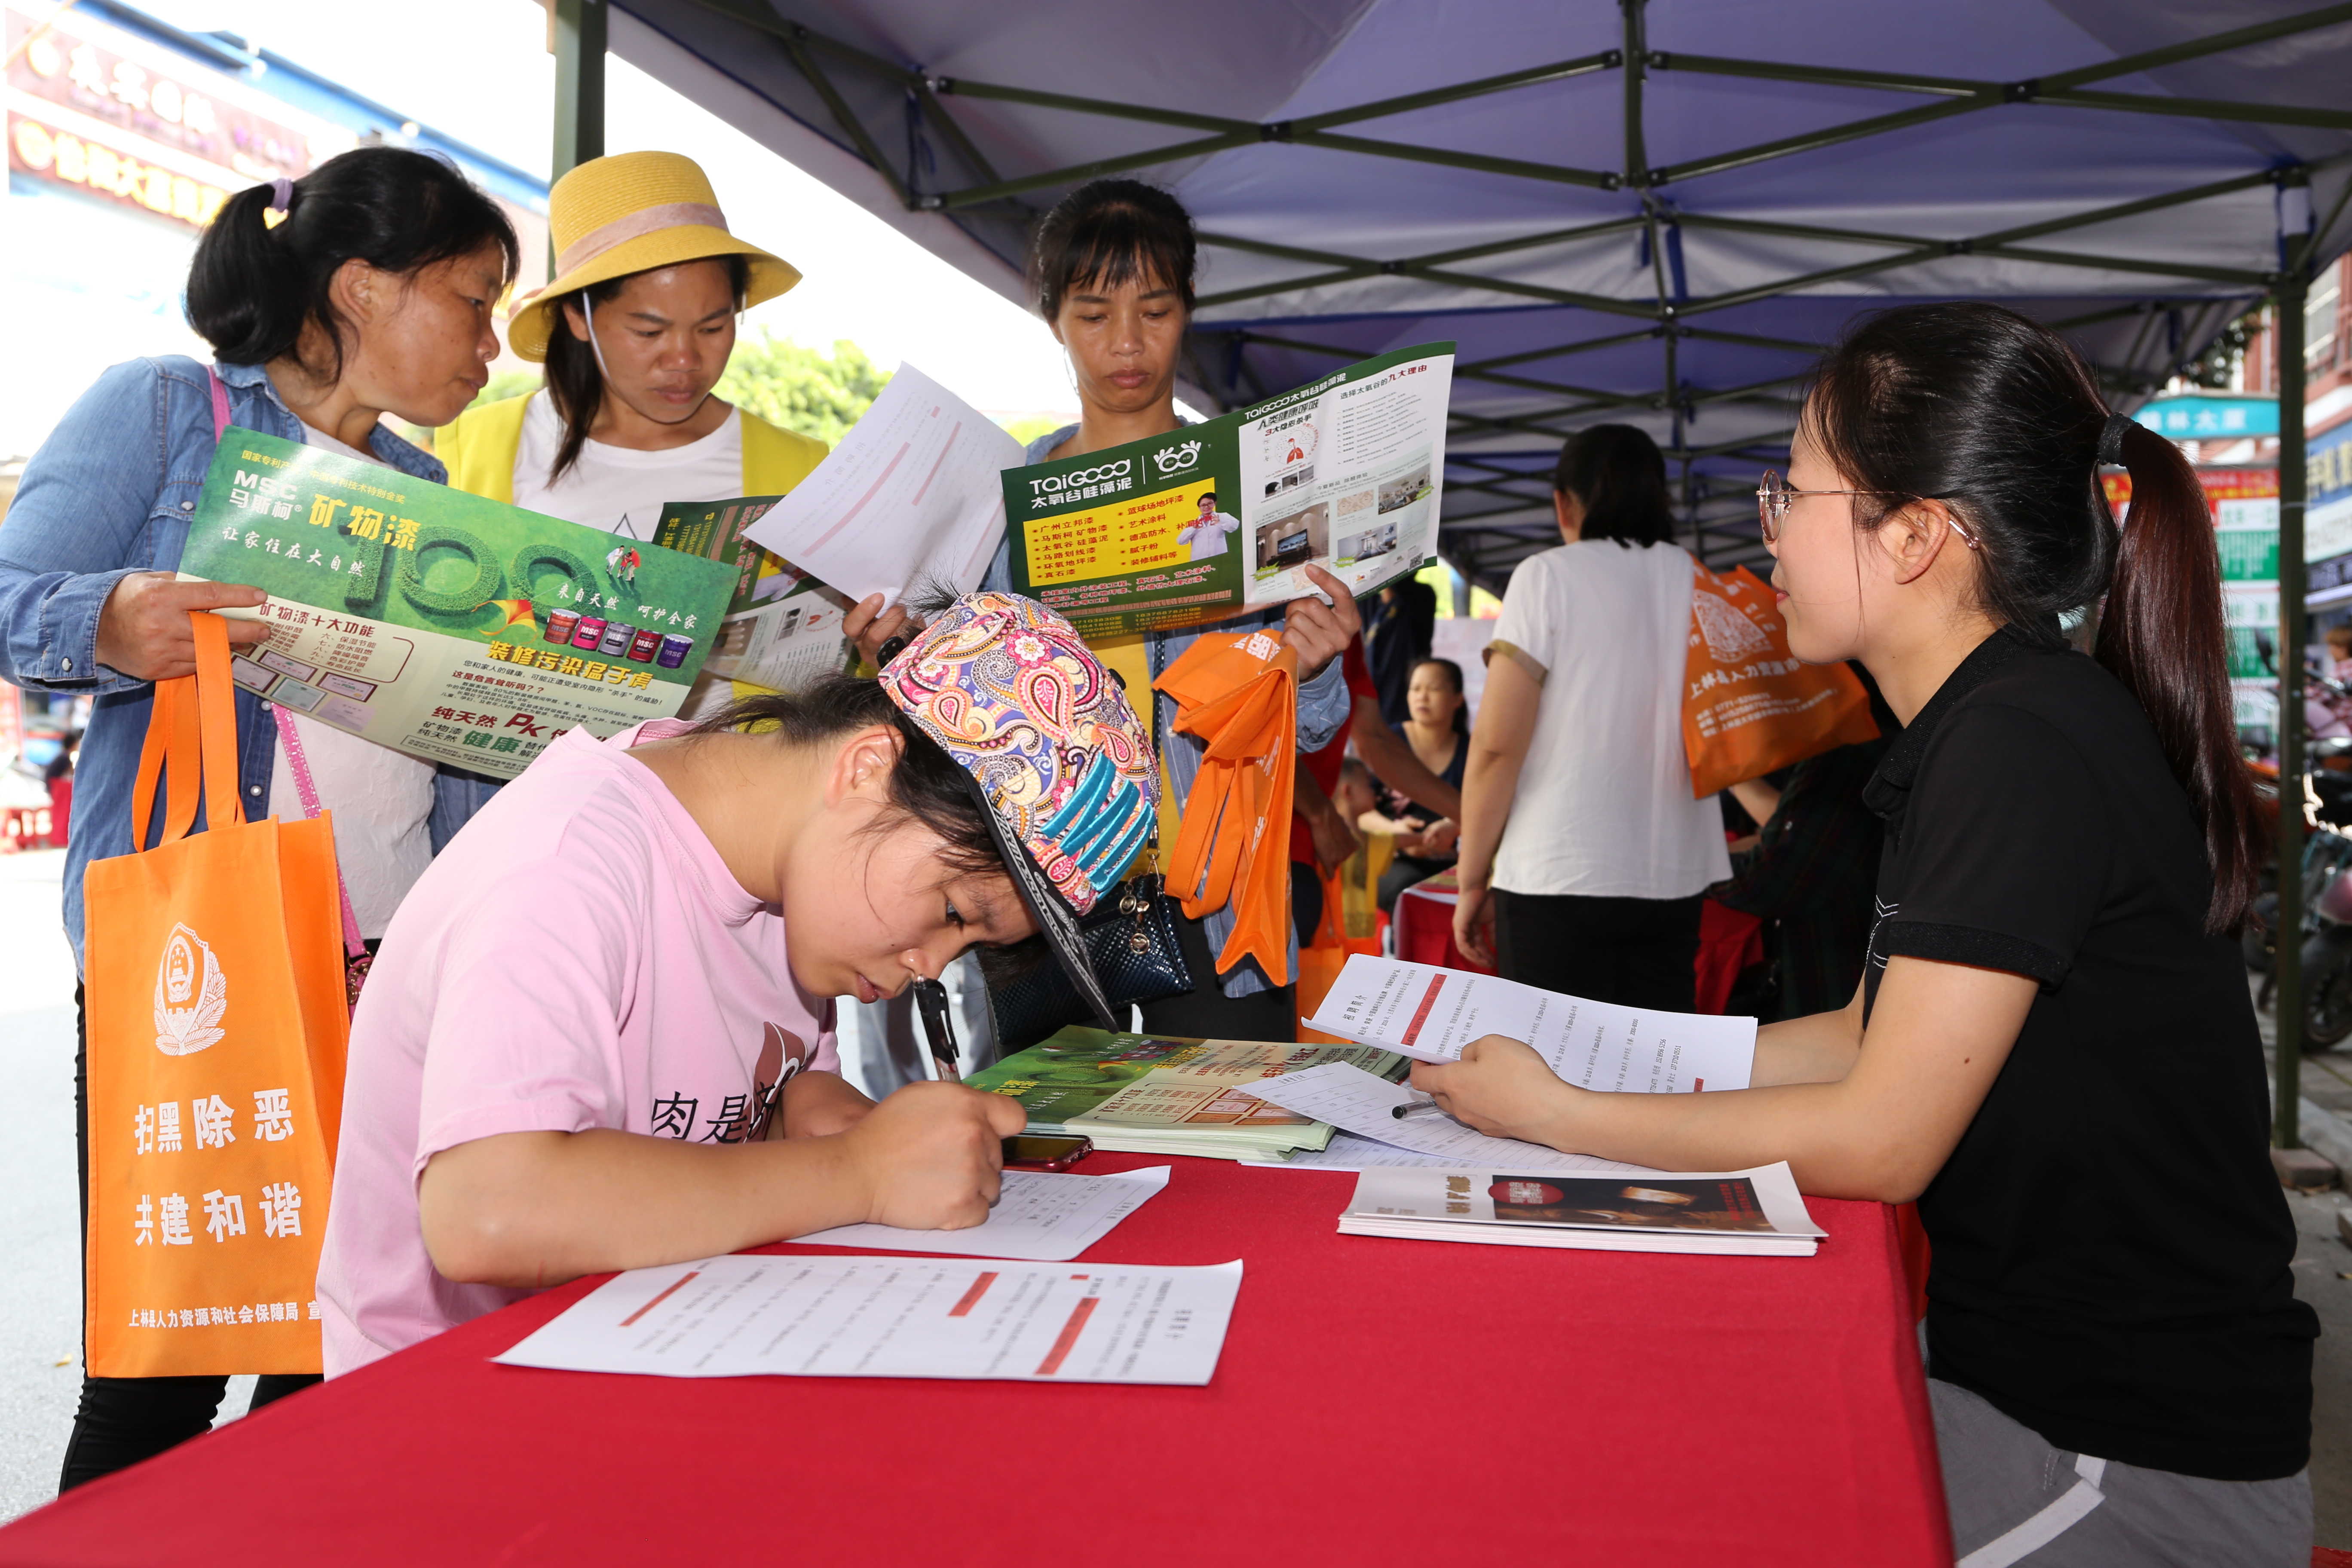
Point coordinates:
[(1668, 245)]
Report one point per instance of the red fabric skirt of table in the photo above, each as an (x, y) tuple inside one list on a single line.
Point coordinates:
[(1378, 1402)]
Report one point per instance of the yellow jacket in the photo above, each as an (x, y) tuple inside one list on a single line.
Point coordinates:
[(479, 448)]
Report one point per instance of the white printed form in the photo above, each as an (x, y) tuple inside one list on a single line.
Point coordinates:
[(1040, 1215), (1431, 1013), (913, 489), (829, 1316), (1359, 1102)]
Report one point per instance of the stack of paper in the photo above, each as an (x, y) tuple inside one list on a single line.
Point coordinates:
[(1756, 1213), (1148, 1094)]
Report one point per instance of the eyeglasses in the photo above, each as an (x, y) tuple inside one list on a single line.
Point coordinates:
[(1775, 496)]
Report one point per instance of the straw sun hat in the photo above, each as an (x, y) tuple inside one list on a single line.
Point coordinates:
[(630, 213)]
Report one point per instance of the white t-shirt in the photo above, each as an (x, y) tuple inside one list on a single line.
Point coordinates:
[(621, 491), (1604, 806), (618, 488), (380, 799)]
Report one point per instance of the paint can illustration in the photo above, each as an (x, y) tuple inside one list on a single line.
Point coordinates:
[(674, 650), (591, 632), (644, 645), (561, 625), (617, 639)]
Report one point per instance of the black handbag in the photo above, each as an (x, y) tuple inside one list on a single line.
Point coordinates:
[(1132, 945)]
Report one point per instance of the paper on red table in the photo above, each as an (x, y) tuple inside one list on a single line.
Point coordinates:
[(1422, 1011), (1360, 1103), (1041, 1216), (830, 1316)]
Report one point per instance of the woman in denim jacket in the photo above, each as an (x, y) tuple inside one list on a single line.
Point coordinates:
[(363, 289)]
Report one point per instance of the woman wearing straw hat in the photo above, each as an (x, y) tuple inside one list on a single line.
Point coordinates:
[(634, 329)]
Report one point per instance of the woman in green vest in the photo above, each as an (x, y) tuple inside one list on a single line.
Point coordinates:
[(634, 329)]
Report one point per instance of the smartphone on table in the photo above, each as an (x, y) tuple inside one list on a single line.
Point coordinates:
[(1030, 1152)]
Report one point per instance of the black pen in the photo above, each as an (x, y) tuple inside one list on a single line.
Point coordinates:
[(932, 1001), (1426, 1108)]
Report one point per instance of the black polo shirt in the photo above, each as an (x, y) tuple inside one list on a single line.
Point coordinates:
[(2111, 1248)]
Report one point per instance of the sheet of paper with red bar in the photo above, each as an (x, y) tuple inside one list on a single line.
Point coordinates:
[(801, 1315), (1430, 1014), (1042, 1216)]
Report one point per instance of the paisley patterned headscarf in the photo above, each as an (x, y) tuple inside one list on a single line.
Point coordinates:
[(1055, 753)]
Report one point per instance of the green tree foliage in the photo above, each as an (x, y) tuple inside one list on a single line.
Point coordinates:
[(801, 389)]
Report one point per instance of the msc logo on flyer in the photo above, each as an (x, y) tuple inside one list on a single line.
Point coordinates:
[(191, 994), (1176, 459)]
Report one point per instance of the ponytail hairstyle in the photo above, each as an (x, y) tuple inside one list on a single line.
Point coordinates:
[(256, 285), (1997, 418), (1620, 476), (1452, 673), (1110, 232), (575, 376)]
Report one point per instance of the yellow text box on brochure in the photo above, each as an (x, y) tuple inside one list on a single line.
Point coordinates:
[(1125, 536)]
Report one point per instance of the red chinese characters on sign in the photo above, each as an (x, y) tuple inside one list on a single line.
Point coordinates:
[(2220, 485)]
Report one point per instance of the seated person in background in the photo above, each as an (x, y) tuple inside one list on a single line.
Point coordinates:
[(1439, 733), (600, 1036)]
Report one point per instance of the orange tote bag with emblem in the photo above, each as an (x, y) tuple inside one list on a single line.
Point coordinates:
[(1748, 707), (216, 1000)]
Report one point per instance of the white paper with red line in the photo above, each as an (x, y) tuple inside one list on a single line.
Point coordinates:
[(830, 1316), (1428, 1013)]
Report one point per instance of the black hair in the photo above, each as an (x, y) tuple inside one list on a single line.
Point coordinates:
[(1997, 418), (1452, 673), (253, 288), (574, 384), (1620, 476), (1107, 233), (928, 786), (1208, 496)]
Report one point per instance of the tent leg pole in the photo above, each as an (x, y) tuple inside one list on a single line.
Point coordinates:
[(578, 27), (2294, 621)]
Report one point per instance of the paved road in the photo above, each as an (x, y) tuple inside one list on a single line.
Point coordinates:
[(41, 1220)]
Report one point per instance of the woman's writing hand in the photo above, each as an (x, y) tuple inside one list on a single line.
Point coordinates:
[(143, 631), (933, 1155), (1501, 1088)]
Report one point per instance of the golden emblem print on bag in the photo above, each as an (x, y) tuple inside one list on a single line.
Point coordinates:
[(191, 994)]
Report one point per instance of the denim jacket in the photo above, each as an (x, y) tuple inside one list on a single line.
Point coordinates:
[(110, 492), (1325, 706)]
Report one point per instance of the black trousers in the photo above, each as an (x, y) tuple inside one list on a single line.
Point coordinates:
[(1205, 1012), (1641, 953), (122, 1420), (1403, 871)]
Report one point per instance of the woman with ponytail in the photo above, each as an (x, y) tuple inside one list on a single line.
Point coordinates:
[(2051, 1049), (363, 289)]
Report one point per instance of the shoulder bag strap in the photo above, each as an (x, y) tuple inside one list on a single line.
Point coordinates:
[(296, 762)]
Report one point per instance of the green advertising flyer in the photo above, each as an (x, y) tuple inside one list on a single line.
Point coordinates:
[(451, 627), (1221, 518), (782, 628)]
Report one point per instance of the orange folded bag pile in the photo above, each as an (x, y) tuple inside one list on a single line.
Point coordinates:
[(1239, 693)]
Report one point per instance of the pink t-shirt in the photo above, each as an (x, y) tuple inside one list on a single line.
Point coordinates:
[(579, 956)]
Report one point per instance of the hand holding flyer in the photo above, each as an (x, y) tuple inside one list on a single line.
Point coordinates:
[(454, 629), (1214, 518)]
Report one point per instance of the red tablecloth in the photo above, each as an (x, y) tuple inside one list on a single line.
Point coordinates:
[(1423, 924), (1378, 1402)]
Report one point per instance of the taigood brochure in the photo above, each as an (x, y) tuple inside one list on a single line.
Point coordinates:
[(451, 627), (1218, 518)]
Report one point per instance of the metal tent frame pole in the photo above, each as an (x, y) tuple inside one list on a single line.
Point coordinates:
[(578, 29), (2294, 620)]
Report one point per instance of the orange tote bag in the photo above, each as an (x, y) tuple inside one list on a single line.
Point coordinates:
[(217, 1019), (1239, 693), (1748, 707)]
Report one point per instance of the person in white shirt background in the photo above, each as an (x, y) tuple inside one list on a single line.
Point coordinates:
[(1583, 856)]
